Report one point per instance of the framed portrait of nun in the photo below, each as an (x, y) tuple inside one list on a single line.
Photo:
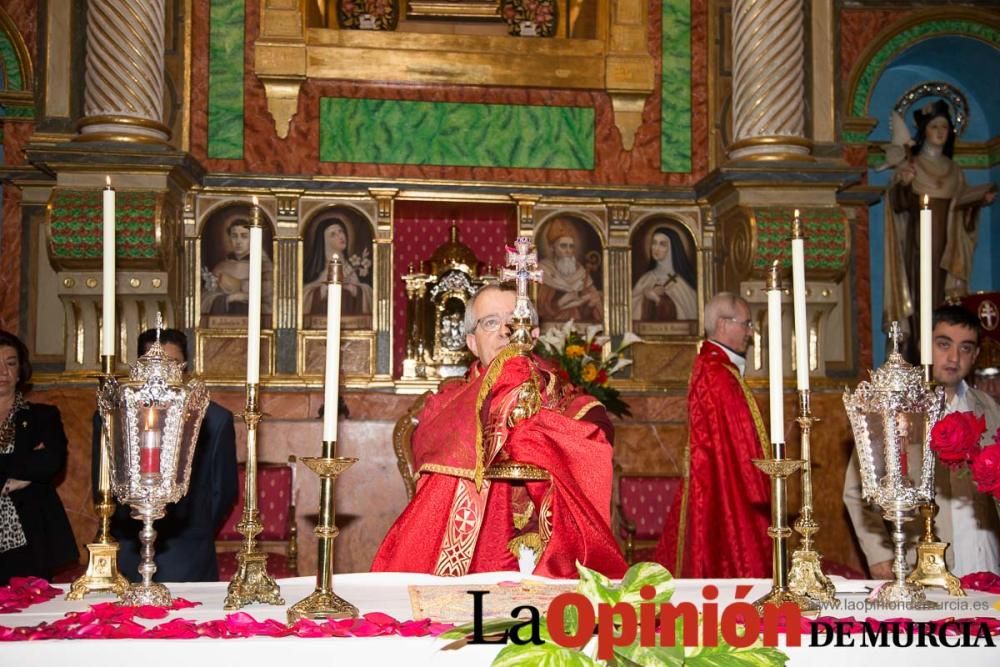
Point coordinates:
[(664, 279), (344, 232)]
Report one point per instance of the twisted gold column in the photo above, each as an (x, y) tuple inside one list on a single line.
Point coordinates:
[(768, 80), (123, 97)]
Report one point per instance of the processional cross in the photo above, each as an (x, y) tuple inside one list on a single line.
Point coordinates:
[(523, 266), (895, 336)]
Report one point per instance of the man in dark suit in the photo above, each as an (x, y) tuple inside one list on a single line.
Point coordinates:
[(185, 537)]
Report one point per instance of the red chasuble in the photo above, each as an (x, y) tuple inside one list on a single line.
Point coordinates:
[(719, 526), (458, 523)]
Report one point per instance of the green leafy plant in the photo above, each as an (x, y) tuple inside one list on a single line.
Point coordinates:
[(581, 360), (598, 589)]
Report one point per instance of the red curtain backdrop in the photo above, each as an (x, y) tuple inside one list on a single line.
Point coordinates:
[(420, 228)]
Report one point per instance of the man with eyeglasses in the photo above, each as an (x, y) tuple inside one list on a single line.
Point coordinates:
[(967, 519), (718, 526), (458, 522)]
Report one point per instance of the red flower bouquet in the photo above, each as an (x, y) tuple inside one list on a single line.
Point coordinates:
[(955, 439), (986, 469)]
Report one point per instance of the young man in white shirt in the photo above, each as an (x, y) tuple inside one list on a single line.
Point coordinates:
[(967, 519)]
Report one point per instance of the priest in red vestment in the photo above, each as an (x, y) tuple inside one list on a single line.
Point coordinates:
[(459, 521), (718, 528)]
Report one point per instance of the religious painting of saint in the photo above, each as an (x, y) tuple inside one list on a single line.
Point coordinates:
[(225, 271), (570, 258), (664, 279), (341, 232)]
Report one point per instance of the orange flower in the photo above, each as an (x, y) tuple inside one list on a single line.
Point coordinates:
[(574, 351), (588, 373)]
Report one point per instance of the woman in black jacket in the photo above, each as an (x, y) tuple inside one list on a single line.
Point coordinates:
[(35, 535)]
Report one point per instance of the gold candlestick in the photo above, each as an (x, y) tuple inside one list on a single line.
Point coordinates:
[(932, 568), (806, 576), (323, 603), (102, 561), (778, 468), (251, 582)]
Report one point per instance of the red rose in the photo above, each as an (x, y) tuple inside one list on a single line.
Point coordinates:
[(602, 377), (594, 348), (955, 439), (986, 470)]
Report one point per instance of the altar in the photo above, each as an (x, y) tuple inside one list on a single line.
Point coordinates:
[(387, 594)]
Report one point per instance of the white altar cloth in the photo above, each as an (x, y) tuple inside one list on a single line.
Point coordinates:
[(387, 593)]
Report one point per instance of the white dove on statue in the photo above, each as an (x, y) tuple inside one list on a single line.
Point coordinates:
[(898, 150)]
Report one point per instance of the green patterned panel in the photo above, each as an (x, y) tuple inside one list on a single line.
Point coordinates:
[(225, 79), (675, 84), (12, 78), (905, 39), (17, 112), (826, 232), (854, 137), (452, 134), (75, 224), (978, 160)]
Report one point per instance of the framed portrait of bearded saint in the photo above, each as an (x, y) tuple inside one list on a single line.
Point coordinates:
[(570, 258)]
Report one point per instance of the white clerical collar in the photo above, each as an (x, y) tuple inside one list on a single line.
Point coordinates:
[(738, 359)]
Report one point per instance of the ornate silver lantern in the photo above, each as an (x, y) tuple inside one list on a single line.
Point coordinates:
[(892, 416), (154, 418)]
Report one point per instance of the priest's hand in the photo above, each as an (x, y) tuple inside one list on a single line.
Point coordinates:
[(881, 570)]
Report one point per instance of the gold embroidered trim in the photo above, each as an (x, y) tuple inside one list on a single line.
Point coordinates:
[(530, 540), (682, 526), (489, 379), (464, 473), (758, 421), (587, 407)]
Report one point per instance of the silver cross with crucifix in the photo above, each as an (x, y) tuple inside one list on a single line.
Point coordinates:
[(523, 266)]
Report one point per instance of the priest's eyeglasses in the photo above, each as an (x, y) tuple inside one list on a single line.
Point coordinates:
[(491, 323), (746, 324)]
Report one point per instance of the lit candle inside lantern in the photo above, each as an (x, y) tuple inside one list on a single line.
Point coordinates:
[(108, 271), (799, 304), (774, 363), (253, 312), (149, 452), (926, 283), (331, 379)]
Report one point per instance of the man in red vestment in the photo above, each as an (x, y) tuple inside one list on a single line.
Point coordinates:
[(719, 526), (459, 521)]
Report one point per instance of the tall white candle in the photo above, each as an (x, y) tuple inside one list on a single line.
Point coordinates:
[(799, 304), (331, 379), (926, 284), (108, 272), (774, 363), (253, 313)]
